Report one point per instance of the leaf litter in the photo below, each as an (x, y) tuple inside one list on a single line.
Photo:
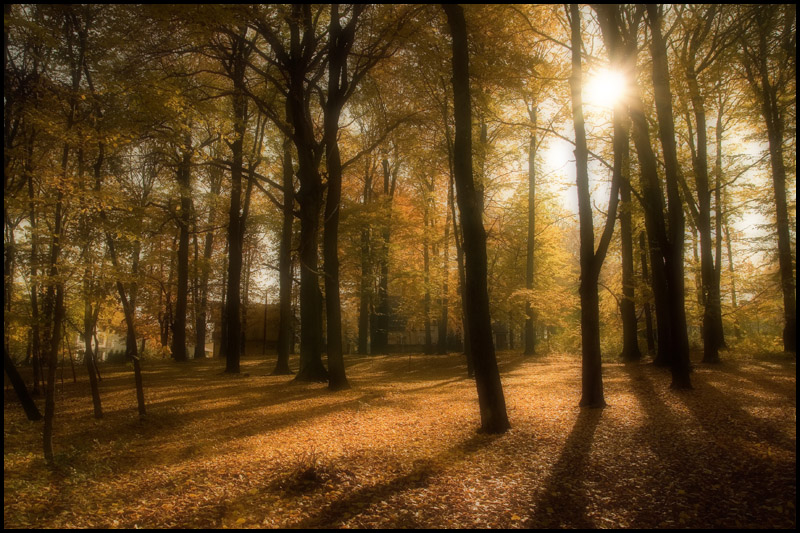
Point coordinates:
[(400, 449)]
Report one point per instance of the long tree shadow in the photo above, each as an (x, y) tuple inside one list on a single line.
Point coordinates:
[(562, 501), (697, 466), (724, 416), (333, 514), (766, 380)]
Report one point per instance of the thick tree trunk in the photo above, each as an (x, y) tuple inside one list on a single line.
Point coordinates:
[(184, 220), (233, 318), (337, 73), (309, 198), (494, 418), (673, 258)]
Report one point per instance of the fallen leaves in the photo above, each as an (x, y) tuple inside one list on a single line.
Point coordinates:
[(400, 450)]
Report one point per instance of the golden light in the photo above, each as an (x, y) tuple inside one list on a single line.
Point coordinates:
[(605, 88)]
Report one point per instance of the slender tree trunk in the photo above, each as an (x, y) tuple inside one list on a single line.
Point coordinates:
[(442, 349), (737, 332), (89, 323), (717, 284), (458, 237), (491, 400), (648, 317), (461, 283), (591, 362), (128, 310), (205, 269), (285, 265), (365, 283), (710, 296), (426, 269), (56, 295), (25, 399), (630, 337), (530, 318), (380, 339), (36, 351)]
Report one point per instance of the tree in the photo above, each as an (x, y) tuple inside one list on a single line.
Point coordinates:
[(591, 260), (494, 418), (769, 62)]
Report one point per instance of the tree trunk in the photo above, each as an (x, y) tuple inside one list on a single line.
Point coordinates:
[(710, 296), (445, 302), (233, 349), (759, 74), (648, 317), (285, 265), (630, 337), (491, 400), (309, 197), (205, 269), (591, 364), (337, 76), (184, 220), (380, 338), (426, 269), (673, 258), (530, 318), (31, 411), (365, 283)]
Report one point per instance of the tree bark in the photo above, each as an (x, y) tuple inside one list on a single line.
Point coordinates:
[(285, 265), (648, 317), (339, 47), (205, 269), (445, 301), (365, 283), (491, 400), (183, 178), (590, 260), (630, 337), (673, 256), (233, 318)]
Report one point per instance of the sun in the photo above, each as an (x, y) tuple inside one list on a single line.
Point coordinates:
[(605, 88)]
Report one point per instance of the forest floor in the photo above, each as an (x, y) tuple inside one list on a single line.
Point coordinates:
[(400, 448)]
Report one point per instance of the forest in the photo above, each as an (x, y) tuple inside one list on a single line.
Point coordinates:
[(407, 266)]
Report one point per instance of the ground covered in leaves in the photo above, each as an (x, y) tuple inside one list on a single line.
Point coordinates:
[(400, 449)]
